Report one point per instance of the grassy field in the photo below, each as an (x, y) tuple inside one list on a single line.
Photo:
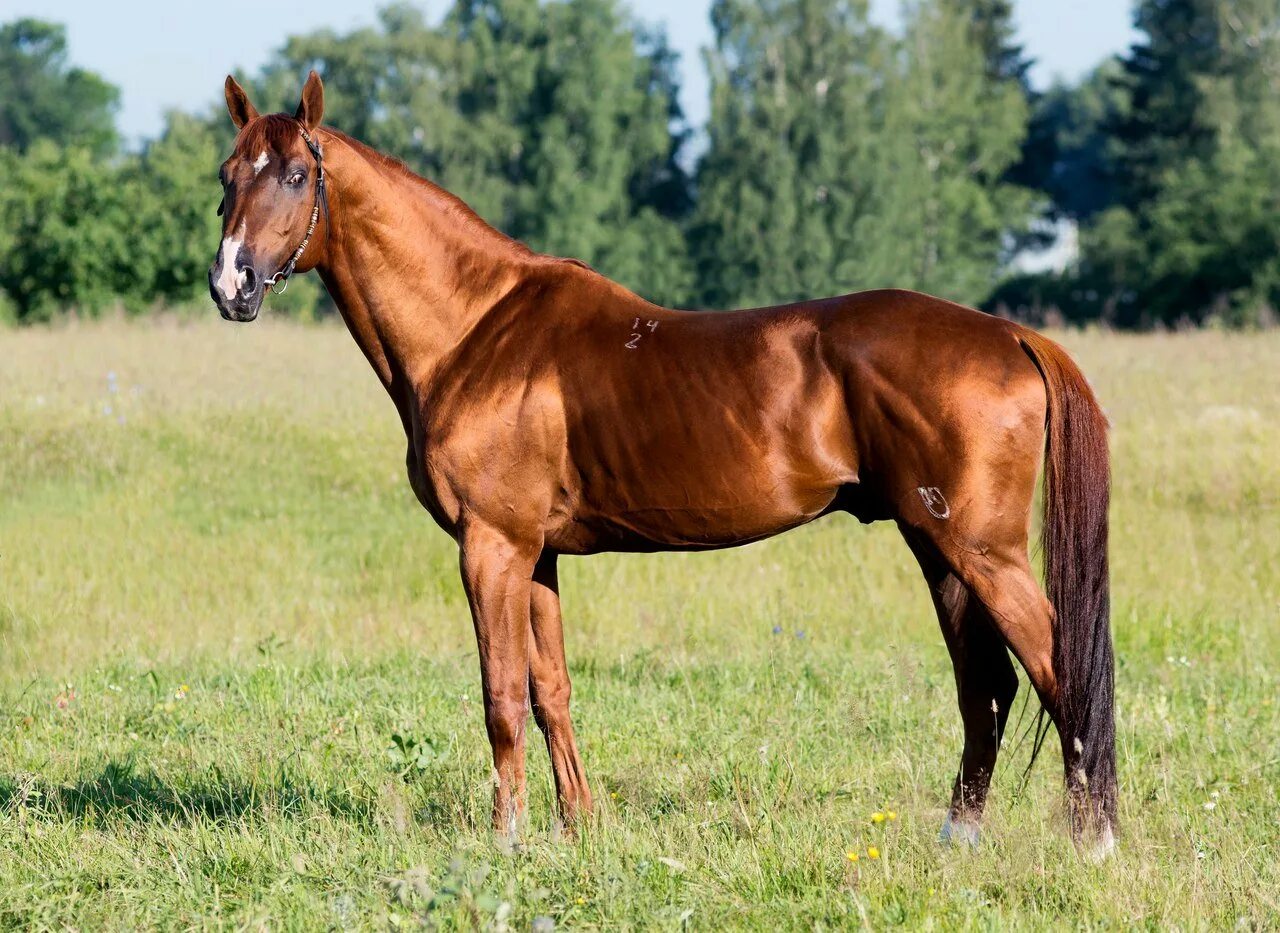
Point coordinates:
[(219, 604)]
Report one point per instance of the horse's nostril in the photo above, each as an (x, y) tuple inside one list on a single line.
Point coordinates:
[(250, 280)]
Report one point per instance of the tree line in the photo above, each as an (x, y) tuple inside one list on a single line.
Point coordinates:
[(837, 156)]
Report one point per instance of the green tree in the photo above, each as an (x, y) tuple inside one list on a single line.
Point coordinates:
[(588, 163), (67, 228), (944, 211), (1194, 233), (1070, 154), (1162, 77), (41, 97), (787, 175), (839, 158), (992, 30), (171, 187)]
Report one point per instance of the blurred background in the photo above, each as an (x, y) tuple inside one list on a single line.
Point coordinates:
[(1078, 162)]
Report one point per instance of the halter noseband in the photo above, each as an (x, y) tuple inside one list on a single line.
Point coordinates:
[(282, 277)]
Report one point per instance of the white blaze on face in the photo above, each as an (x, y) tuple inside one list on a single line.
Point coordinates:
[(230, 278), (259, 163)]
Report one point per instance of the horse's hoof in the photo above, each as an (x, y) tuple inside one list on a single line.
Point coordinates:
[(959, 833), (506, 843), (508, 837), (1101, 848)]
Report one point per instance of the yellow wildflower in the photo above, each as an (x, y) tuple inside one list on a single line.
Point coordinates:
[(877, 817), (873, 852), (893, 815), (851, 856)]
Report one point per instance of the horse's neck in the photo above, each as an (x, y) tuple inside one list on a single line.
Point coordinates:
[(409, 271)]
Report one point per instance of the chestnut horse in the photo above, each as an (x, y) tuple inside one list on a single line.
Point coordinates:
[(551, 411)]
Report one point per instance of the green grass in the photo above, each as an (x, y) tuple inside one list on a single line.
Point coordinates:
[(219, 602)]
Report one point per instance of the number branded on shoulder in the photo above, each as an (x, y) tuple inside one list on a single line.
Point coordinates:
[(634, 342)]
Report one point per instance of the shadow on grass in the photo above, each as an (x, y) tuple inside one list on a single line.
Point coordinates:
[(122, 791)]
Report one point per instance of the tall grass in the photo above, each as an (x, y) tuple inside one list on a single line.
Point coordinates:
[(219, 601)]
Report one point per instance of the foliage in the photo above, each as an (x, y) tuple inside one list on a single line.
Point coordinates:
[(993, 31), (42, 98), (782, 186), (86, 233), (1205, 185), (1070, 154), (172, 187), (952, 133), (841, 158), (66, 224), (1172, 161), (409, 755), (838, 156)]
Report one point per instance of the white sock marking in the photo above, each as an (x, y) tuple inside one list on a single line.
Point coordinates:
[(959, 832), (1103, 846)]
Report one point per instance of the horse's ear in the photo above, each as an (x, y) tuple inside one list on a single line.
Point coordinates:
[(311, 107), (238, 105)]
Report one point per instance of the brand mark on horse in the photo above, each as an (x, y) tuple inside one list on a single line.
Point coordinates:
[(935, 502)]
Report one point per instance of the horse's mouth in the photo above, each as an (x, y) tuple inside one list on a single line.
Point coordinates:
[(239, 315)]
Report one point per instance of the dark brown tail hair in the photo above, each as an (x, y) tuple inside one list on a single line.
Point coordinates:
[(1077, 492)]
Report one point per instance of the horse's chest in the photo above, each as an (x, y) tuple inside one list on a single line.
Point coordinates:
[(431, 489)]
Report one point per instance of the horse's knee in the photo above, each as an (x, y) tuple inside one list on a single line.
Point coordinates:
[(505, 718)]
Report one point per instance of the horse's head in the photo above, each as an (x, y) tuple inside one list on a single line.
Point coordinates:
[(273, 197)]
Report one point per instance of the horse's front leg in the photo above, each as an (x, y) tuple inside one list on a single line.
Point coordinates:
[(549, 682), (497, 571)]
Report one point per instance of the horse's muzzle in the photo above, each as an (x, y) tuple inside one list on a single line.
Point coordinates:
[(244, 304)]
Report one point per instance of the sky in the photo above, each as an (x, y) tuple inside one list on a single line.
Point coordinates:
[(162, 55)]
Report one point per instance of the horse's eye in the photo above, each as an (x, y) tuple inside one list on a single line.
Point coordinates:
[(296, 178)]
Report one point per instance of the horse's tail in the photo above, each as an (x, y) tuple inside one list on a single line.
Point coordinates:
[(1077, 490)]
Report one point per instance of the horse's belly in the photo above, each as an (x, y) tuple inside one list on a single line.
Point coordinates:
[(690, 511), (714, 450)]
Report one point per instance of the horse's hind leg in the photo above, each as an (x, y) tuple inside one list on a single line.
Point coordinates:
[(985, 688), (1023, 615), (1002, 587)]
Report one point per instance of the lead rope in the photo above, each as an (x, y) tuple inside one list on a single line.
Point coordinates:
[(281, 278)]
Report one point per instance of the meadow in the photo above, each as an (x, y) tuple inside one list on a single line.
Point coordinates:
[(239, 685)]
